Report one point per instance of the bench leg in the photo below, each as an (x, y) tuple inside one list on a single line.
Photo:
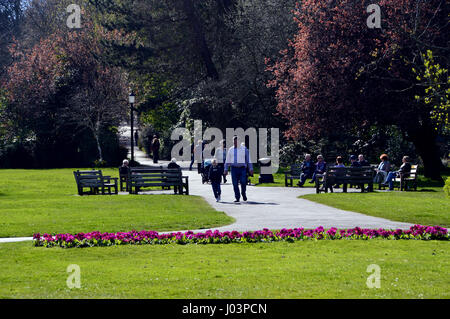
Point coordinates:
[(344, 188)]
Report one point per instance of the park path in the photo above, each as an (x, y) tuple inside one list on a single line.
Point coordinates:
[(274, 207), (267, 207)]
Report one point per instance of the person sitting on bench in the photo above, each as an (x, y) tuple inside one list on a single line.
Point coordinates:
[(339, 163), (173, 164), (382, 170), (362, 161), (123, 170), (354, 161), (308, 168), (321, 168), (123, 173), (404, 169)]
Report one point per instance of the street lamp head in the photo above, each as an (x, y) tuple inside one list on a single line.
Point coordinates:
[(132, 98)]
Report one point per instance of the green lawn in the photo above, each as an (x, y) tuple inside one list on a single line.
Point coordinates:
[(278, 181), (45, 201), (428, 206), (321, 269)]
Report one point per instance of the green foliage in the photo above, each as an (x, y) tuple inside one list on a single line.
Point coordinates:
[(447, 186), (436, 80)]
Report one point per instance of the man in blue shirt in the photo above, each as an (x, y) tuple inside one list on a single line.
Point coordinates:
[(308, 168), (321, 168), (238, 158)]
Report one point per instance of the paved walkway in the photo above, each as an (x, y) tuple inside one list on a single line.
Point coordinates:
[(268, 207), (274, 207)]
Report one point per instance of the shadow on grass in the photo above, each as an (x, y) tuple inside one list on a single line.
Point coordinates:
[(427, 190)]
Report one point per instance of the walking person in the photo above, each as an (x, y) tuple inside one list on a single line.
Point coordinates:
[(155, 148), (136, 138), (192, 156), (215, 176), (198, 154), (238, 158), (221, 156)]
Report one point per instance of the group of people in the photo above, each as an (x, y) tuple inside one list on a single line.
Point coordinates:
[(235, 160), (383, 176)]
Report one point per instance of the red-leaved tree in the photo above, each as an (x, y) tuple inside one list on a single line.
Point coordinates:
[(61, 82), (339, 74)]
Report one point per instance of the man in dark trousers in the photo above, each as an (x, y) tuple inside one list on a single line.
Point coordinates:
[(238, 160), (308, 168), (215, 176), (155, 149)]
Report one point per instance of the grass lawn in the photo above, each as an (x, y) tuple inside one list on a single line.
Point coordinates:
[(278, 180), (321, 269), (428, 206), (45, 201)]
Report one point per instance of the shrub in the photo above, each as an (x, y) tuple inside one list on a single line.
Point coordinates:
[(17, 155), (447, 186)]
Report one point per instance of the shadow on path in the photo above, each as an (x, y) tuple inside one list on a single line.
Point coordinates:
[(248, 203)]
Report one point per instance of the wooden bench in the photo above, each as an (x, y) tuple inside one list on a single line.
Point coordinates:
[(141, 177), (345, 176), (293, 173), (408, 179), (405, 180), (95, 181)]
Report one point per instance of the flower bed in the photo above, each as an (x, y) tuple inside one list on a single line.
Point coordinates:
[(417, 232)]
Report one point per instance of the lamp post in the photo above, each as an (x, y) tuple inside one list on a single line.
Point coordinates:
[(132, 99)]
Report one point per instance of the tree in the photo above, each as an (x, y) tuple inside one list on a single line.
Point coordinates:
[(11, 15), (436, 82), (59, 87), (338, 74)]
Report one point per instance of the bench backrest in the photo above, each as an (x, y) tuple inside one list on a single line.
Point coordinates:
[(356, 174), (88, 178), (413, 172), (154, 176), (296, 169)]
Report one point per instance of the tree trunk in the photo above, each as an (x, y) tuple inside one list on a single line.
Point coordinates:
[(200, 40), (424, 139), (99, 148), (96, 132)]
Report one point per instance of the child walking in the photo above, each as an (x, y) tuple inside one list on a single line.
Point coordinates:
[(215, 176)]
